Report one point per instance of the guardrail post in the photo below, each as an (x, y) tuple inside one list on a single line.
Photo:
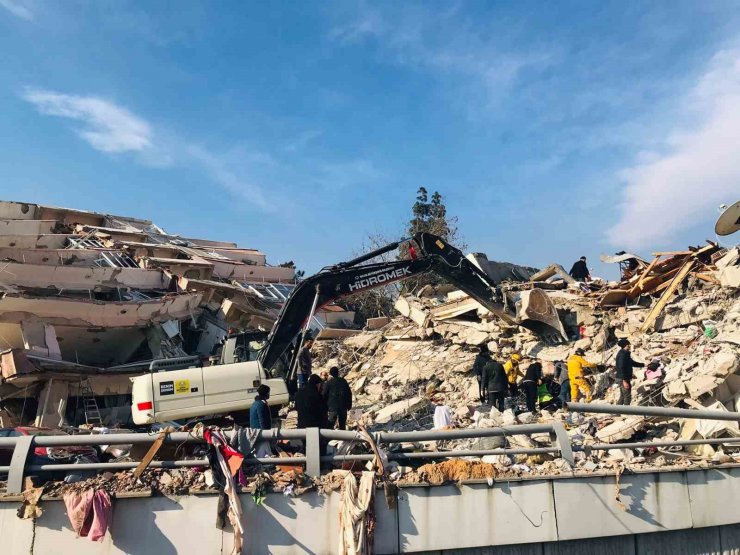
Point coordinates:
[(563, 440), (313, 452), (18, 463)]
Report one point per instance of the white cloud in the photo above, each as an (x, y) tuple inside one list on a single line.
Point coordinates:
[(358, 172), (107, 127), (443, 44), (17, 9), (698, 168), (230, 176)]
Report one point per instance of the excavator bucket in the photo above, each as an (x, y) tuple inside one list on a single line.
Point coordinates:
[(536, 312)]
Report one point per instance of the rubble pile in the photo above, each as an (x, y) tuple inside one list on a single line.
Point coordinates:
[(422, 360)]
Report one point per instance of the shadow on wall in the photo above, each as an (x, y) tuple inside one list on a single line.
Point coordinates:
[(137, 531)]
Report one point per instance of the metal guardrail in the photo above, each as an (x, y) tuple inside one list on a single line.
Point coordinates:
[(313, 437)]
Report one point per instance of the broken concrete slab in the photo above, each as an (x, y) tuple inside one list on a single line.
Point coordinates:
[(400, 409), (621, 429)]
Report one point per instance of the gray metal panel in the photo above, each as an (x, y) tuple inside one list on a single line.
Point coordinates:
[(615, 545), (452, 517), (714, 495), (698, 541), (729, 539), (587, 507)]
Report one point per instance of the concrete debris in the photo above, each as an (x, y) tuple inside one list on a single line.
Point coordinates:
[(424, 358), (92, 299)]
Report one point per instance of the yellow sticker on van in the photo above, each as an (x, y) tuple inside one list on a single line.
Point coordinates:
[(182, 386)]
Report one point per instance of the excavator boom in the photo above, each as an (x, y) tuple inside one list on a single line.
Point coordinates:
[(428, 254)]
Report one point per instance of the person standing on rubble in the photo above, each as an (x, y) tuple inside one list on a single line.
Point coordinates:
[(511, 367), (580, 271), (259, 412), (531, 381), (304, 363), (309, 403), (561, 377), (625, 366), (495, 382), (338, 397), (480, 362), (578, 383)]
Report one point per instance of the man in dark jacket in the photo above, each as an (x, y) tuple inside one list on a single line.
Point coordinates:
[(480, 362), (531, 381), (259, 412), (304, 363), (494, 378), (338, 397), (625, 364), (310, 405), (579, 271)]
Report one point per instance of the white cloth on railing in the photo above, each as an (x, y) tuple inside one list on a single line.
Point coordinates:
[(354, 537)]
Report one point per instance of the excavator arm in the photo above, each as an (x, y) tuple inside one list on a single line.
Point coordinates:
[(426, 253)]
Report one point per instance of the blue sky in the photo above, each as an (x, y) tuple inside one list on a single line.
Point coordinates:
[(552, 129)]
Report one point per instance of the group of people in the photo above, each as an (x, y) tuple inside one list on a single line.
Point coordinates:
[(321, 400), (497, 381)]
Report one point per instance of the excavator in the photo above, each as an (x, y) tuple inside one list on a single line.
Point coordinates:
[(173, 392)]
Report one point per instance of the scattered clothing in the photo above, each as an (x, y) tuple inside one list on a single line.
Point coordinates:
[(88, 513), (225, 464), (356, 516)]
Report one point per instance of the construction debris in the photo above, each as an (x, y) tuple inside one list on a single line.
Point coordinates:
[(676, 311)]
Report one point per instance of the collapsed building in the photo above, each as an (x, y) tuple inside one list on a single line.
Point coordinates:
[(88, 300), (681, 310)]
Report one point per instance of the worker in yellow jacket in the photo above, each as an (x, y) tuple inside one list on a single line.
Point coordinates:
[(511, 367), (578, 383)]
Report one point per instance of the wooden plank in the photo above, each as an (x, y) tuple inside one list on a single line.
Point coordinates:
[(666, 296), (652, 283), (156, 445), (708, 278), (638, 285), (673, 253)]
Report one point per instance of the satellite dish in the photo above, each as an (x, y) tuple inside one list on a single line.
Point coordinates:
[(729, 221)]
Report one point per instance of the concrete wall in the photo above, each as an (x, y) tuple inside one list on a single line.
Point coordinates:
[(669, 512)]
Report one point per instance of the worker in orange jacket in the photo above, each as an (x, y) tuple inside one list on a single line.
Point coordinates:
[(578, 383)]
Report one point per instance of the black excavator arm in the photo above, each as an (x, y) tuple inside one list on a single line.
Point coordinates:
[(427, 253)]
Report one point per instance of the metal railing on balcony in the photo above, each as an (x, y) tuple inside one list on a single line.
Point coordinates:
[(561, 444)]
